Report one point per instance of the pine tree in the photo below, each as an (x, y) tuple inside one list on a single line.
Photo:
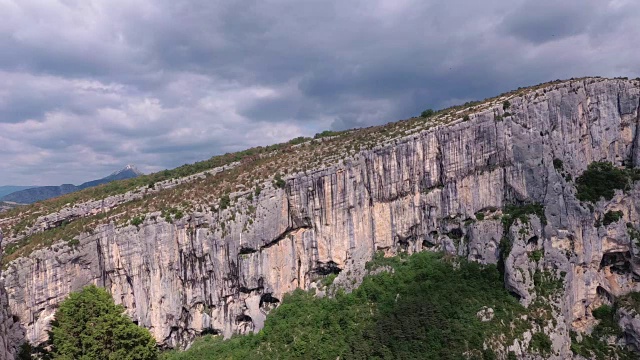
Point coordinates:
[(89, 325)]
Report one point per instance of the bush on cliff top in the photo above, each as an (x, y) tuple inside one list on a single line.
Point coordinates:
[(427, 113), (424, 309)]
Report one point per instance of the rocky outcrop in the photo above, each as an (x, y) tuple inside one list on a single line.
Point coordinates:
[(629, 321), (220, 271), (11, 335)]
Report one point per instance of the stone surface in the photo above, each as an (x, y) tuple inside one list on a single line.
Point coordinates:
[(629, 321), (11, 334), (485, 314), (420, 192), (520, 265)]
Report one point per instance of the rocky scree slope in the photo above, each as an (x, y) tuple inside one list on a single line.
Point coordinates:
[(491, 181)]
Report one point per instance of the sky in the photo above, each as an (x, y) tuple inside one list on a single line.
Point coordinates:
[(88, 86)]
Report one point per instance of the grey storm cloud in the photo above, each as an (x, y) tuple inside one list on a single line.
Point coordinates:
[(545, 20), (87, 86)]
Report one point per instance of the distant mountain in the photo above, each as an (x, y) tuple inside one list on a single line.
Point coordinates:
[(40, 193), (8, 189), (127, 172)]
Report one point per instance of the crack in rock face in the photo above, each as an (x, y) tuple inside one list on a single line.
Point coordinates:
[(11, 330)]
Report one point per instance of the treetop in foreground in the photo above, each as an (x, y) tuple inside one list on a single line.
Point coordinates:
[(90, 326)]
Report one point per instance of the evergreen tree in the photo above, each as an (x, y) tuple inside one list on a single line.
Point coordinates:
[(90, 326)]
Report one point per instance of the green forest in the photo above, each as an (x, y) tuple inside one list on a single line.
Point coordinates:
[(423, 307)]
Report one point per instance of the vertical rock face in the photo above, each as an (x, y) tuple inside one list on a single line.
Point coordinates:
[(425, 191), (10, 334), (629, 321)]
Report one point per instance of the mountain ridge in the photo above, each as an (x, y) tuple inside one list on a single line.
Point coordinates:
[(8, 189), (38, 193)]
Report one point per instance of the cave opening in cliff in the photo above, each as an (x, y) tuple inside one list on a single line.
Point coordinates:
[(268, 298), (247, 290), (455, 234), (210, 331), (327, 268), (427, 244), (430, 241), (617, 262), (605, 295), (515, 295), (404, 242), (243, 318), (246, 251)]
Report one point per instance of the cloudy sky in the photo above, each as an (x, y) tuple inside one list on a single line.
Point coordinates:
[(88, 86)]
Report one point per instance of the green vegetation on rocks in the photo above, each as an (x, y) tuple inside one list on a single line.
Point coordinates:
[(279, 182), (596, 345), (541, 343), (522, 212), (611, 217), (328, 133), (536, 255), (634, 234), (509, 215), (630, 301), (557, 164), (423, 308), (601, 179), (327, 281), (137, 221), (225, 201), (427, 113)]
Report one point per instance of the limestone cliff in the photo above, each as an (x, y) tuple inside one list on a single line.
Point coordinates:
[(10, 332), (221, 268)]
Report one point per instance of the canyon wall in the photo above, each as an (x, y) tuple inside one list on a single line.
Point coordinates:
[(11, 334), (222, 271)]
